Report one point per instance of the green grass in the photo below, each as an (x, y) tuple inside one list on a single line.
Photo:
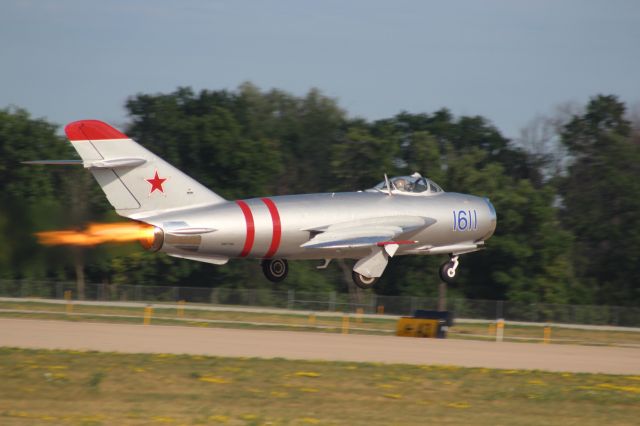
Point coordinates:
[(93, 388), (301, 322)]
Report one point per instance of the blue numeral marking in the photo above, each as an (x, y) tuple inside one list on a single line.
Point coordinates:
[(465, 220), (462, 220)]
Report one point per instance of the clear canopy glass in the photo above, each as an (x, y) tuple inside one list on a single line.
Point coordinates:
[(414, 184)]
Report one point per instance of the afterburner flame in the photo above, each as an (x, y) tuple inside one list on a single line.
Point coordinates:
[(99, 233)]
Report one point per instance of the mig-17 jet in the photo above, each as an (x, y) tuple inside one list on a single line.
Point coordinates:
[(405, 215)]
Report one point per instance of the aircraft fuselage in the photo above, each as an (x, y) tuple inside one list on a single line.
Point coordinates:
[(277, 226)]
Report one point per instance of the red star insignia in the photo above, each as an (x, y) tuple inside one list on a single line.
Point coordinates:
[(156, 183)]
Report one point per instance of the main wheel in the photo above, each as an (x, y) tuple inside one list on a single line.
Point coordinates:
[(448, 273), (275, 270), (362, 281)]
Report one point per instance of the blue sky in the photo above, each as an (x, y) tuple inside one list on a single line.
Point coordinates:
[(507, 60)]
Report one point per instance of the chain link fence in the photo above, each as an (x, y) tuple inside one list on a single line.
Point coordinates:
[(330, 301)]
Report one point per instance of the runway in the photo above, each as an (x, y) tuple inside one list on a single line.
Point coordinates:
[(128, 338)]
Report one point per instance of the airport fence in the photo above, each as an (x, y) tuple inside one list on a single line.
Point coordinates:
[(368, 302)]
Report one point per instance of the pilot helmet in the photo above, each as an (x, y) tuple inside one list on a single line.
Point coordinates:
[(400, 184)]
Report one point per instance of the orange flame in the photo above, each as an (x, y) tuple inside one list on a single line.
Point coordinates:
[(98, 233)]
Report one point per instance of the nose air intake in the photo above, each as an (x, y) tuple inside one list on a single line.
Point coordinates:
[(493, 220)]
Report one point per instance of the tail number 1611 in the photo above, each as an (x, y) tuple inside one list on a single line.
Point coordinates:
[(465, 220)]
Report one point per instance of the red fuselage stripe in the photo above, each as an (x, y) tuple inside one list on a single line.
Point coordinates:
[(251, 229), (277, 228)]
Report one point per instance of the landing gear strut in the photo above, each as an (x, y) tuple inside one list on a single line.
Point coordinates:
[(362, 281), (275, 270), (448, 270)]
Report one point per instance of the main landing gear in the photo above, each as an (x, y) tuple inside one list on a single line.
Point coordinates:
[(275, 270), (362, 281), (448, 270)]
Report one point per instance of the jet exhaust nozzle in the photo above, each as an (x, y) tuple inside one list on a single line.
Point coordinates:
[(153, 241)]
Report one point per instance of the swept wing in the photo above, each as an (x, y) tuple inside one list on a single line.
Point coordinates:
[(367, 232)]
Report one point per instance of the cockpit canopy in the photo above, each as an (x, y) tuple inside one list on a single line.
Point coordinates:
[(409, 185)]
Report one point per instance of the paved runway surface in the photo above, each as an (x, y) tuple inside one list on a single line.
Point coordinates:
[(315, 346)]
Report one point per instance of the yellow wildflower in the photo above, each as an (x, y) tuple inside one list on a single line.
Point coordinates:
[(392, 395), (162, 419), (461, 405), (219, 418), (48, 418), (385, 386), (249, 417), (212, 379), (632, 389), (307, 374)]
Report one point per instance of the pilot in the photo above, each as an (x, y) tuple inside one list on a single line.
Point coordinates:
[(400, 184)]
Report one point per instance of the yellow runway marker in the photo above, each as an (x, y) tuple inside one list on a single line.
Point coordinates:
[(148, 312)]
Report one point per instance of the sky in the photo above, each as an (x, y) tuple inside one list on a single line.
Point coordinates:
[(507, 60)]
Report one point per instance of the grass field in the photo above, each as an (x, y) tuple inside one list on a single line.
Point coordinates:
[(92, 388), (301, 322)]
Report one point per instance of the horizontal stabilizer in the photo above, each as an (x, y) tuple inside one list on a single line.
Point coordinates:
[(96, 164), (54, 162), (115, 163)]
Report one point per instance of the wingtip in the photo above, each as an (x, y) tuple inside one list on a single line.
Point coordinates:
[(83, 130)]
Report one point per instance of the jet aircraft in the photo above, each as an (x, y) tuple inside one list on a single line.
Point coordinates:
[(405, 215)]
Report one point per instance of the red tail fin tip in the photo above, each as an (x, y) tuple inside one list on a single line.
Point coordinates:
[(92, 130)]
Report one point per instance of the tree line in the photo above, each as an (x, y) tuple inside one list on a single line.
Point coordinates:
[(567, 192)]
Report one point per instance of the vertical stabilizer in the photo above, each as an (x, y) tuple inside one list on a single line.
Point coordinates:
[(136, 182)]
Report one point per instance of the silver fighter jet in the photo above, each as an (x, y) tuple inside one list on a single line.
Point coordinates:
[(400, 216)]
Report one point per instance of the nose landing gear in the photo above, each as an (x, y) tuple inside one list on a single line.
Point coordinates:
[(448, 270), (275, 270)]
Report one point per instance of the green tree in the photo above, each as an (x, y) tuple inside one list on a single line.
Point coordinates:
[(360, 160), (601, 201), (28, 201)]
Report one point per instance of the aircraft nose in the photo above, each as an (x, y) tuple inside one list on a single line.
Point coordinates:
[(493, 219)]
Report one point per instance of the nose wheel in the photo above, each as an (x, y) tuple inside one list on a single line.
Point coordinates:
[(275, 270), (448, 270)]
